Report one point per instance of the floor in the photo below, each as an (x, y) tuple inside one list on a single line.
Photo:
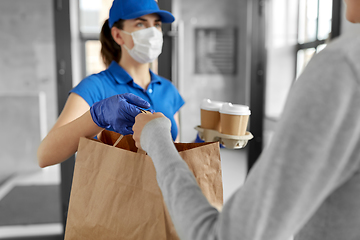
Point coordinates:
[(233, 170), (50, 175)]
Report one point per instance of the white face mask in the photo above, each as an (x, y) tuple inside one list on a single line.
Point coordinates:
[(147, 44)]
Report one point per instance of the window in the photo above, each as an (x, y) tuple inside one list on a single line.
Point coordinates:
[(314, 29), (295, 31), (281, 46), (92, 14)]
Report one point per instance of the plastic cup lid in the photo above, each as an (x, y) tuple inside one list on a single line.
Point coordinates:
[(235, 109), (209, 105)]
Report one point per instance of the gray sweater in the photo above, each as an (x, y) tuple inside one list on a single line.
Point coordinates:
[(306, 183)]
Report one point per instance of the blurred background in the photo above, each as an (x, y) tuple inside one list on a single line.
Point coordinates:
[(240, 51)]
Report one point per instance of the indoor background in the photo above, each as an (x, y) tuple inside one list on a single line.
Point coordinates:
[(240, 51)]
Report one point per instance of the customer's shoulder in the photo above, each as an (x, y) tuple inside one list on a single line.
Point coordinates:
[(346, 45), (345, 51), (340, 57)]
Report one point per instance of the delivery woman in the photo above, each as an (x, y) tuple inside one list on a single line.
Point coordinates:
[(131, 39)]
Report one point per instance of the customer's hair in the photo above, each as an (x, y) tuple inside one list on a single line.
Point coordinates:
[(110, 50)]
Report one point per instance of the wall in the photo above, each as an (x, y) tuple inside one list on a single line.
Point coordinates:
[(195, 87), (27, 82)]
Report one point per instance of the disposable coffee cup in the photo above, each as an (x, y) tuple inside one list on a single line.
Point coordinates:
[(234, 119), (210, 115)]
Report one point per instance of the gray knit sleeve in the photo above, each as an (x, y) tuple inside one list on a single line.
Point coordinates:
[(191, 213)]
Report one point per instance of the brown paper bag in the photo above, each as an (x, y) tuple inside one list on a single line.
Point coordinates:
[(115, 194)]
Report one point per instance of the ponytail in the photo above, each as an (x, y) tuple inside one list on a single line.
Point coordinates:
[(110, 50)]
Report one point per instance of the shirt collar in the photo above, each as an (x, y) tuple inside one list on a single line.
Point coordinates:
[(154, 77), (122, 77)]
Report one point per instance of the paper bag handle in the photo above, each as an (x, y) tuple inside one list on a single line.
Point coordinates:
[(121, 137), (118, 140)]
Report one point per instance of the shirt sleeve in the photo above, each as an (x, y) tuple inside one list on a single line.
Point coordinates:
[(90, 89), (179, 101), (313, 152)]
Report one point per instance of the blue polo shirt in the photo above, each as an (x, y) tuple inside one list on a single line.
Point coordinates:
[(161, 93)]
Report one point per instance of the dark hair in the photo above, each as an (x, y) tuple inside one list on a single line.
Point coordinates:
[(110, 50)]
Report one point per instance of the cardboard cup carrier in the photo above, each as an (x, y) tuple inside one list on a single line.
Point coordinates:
[(210, 115), (234, 119)]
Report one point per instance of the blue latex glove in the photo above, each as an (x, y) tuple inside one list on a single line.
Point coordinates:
[(118, 112), (198, 139)]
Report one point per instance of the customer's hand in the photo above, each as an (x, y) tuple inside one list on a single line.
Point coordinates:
[(140, 121), (118, 112)]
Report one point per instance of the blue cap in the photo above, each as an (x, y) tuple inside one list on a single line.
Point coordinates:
[(130, 9)]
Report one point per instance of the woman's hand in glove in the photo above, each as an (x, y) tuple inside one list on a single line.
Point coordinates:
[(118, 112)]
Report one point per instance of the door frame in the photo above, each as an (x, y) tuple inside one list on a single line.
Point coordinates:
[(165, 58), (257, 79), (64, 85)]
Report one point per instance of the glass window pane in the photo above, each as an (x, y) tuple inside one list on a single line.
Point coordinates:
[(94, 63), (93, 13), (281, 41), (325, 15), (320, 47), (308, 10), (303, 57)]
